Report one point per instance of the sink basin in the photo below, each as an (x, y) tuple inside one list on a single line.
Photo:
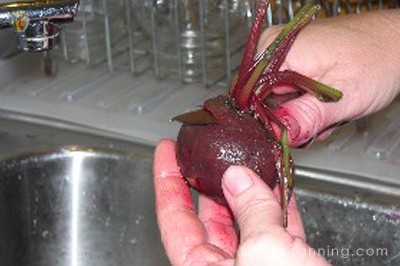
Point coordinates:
[(78, 206), (350, 225)]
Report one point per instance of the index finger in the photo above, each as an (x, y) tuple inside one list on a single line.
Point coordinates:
[(181, 229)]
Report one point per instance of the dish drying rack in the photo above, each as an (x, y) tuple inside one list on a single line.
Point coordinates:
[(120, 90)]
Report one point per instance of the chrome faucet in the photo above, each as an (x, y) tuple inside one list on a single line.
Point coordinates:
[(36, 22)]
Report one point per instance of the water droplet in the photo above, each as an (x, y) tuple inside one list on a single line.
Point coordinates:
[(139, 219), (107, 223), (45, 234)]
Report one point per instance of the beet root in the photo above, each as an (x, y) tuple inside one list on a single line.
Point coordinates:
[(205, 152)]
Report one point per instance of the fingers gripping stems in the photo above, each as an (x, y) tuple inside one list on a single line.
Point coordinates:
[(272, 58), (257, 77), (321, 91), (264, 114)]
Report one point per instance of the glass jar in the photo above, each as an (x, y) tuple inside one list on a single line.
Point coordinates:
[(189, 36), (97, 22)]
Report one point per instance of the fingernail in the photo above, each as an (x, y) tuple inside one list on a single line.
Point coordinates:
[(289, 121), (236, 180), (292, 125)]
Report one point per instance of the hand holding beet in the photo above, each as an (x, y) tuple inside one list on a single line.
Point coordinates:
[(208, 236), (237, 129), (359, 55)]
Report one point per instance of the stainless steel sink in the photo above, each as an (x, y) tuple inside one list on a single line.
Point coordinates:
[(78, 206), (349, 225), (62, 203)]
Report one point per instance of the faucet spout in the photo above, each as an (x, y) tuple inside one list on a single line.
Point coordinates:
[(36, 22)]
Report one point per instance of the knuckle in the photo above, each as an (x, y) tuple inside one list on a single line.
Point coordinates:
[(252, 246), (254, 207), (256, 240), (314, 115), (257, 246)]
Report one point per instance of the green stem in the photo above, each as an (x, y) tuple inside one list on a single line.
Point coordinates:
[(300, 20)]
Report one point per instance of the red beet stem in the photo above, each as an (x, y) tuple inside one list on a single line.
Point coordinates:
[(245, 84), (256, 29), (250, 50)]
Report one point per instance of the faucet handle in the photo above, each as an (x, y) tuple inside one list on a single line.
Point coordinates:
[(35, 22)]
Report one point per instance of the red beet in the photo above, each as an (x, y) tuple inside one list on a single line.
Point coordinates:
[(237, 129), (205, 151)]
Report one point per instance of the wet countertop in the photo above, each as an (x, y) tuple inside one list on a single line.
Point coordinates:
[(20, 134)]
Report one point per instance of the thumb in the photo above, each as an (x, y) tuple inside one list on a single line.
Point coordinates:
[(264, 240), (253, 203), (306, 117)]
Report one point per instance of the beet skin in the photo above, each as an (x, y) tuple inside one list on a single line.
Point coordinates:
[(204, 152)]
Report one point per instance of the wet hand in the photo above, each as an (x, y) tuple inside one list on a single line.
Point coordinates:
[(209, 237)]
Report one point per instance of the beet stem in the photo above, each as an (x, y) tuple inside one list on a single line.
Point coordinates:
[(301, 18), (251, 45), (265, 116), (286, 186), (321, 91)]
